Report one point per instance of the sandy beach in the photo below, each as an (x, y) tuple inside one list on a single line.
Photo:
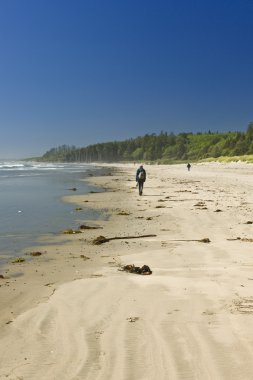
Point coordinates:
[(72, 313)]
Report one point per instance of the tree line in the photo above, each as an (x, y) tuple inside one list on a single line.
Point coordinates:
[(162, 148)]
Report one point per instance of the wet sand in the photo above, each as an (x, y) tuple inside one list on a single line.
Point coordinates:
[(71, 313)]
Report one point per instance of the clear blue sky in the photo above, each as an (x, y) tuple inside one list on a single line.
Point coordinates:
[(79, 72)]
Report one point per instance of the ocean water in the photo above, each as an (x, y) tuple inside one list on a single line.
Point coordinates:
[(31, 202)]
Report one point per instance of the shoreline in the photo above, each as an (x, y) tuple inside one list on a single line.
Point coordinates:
[(32, 203), (72, 317), (35, 271)]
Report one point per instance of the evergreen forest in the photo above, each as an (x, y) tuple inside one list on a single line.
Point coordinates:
[(162, 148)]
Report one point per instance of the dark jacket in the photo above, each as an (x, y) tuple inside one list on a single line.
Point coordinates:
[(139, 170)]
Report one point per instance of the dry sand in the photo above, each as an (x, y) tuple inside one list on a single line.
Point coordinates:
[(67, 317)]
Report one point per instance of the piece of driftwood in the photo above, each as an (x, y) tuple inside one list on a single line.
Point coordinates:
[(84, 227), (205, 240), (102, 239), (35, 253), (242, 239)]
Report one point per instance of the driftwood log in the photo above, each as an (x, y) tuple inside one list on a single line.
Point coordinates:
[(102, 239), (84, 227), (205, 240)]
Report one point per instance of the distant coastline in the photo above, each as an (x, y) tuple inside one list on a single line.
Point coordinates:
[(164, 148)]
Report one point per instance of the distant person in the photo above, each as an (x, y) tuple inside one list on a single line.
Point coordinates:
[(189, 166), (140, 178)]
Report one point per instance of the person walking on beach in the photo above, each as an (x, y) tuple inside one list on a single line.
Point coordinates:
[(189, 166), (140, 178)]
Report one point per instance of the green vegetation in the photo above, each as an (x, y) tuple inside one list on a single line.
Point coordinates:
[(163, 148), (18, 260)]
